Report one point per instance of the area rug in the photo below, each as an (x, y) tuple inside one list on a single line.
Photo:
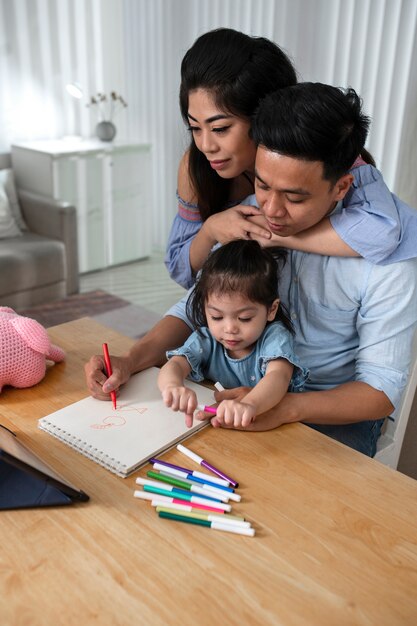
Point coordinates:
[(129, 319)]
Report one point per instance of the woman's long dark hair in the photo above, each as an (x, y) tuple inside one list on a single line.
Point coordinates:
[(367, 157), (242, 267), (239, 71)]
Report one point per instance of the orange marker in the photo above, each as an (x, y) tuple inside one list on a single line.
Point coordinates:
[(109, 371)]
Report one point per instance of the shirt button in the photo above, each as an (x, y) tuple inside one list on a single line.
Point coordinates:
[(295, 279), (294, 315)]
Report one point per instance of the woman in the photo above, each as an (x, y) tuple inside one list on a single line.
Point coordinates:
[(224, 75)]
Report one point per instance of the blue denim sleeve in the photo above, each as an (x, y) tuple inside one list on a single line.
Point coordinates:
[(184, 228), (277, 343), (197, 350), (177, 257), (370, 218)]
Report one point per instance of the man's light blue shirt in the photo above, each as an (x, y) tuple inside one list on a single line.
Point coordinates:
[(353, 320)]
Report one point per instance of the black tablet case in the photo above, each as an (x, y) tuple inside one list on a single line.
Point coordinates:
[(24, 486)]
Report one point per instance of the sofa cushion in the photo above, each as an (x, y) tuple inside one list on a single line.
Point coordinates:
[(8, 225), (8, 184), (30, 261)]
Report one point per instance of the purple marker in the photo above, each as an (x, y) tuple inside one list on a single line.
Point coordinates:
[(201, 461), (198, 477)]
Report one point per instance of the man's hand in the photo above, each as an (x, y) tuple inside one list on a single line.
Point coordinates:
[(98, 384), (232, 394)]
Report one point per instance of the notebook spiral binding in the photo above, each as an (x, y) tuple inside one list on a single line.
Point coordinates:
[(82, 447)]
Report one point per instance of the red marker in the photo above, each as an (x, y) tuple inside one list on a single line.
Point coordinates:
[(109, 371)]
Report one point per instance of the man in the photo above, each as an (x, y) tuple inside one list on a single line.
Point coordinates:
[(354, 321)]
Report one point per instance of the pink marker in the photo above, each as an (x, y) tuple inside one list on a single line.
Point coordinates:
[(206, 409)]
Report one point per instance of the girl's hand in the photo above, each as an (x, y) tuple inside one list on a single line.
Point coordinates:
[(181, 399), (234, 223), (231, 413)]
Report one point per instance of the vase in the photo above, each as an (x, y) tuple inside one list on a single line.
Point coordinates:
[(106, 131)]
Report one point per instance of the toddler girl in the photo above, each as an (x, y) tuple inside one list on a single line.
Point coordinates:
[(243, 336)]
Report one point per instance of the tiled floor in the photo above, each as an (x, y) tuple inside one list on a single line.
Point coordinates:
[(145, 282)]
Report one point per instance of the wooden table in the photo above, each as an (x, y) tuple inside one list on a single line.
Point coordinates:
[(335, 544)]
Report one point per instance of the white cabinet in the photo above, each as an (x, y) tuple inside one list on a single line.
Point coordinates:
[(107, 183)]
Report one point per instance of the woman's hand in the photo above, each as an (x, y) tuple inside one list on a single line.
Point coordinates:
[(234, 223), (229, 225)]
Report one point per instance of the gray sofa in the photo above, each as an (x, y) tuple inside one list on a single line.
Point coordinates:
[(41, 265)]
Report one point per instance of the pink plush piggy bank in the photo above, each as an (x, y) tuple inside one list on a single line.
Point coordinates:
[(24, 349)]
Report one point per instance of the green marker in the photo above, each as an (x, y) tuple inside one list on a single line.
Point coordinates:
[(249, 532), (168, 479)]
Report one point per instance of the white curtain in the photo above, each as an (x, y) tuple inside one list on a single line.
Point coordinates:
[(46, 44), (135, 47)]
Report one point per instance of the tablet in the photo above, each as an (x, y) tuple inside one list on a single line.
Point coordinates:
[(26, 481)]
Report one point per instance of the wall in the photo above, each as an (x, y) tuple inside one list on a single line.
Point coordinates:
[(5, 161), (45, 44)]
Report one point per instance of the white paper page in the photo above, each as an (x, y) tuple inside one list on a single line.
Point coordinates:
[(125, 438)]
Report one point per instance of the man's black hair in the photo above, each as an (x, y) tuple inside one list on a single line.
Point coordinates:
[(313, 122)]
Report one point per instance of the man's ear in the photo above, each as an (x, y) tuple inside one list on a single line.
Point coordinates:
[(272, 311), (342, 186)]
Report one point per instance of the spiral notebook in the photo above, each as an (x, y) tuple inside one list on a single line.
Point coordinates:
[(122, 440)]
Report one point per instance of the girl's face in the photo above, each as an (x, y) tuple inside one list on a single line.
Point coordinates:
[(236, 322), (222, 137)]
